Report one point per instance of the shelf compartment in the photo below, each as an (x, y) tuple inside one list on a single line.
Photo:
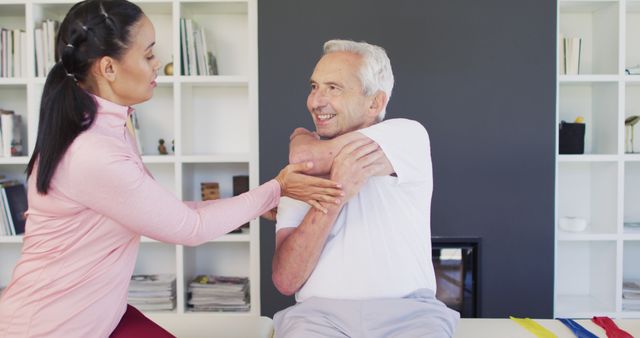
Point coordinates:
[(631, 271), (589, 191), (156, 257), (14, 97), (12, 18), (219, 259), (215, 120), (586, 278), (596, 22), (155, 118), (10, 253), (632, 57), (195, 173), (631, 194), (597, 103), (632, 107), (226, 29)]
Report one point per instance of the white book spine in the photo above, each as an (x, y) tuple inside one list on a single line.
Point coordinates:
[(191, 48), (17, 53), (7, 133), (10, 53), (51, 43), (3, 53), (23, 53), (39, 46)]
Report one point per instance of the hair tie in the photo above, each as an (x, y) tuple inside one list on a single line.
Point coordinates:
[(103, 12)]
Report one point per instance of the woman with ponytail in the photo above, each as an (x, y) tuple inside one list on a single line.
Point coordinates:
[(90, 196)]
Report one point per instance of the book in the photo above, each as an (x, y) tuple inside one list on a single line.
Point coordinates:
[(562, 66), (184, 57), (39, 46), (572, 50), (17, 205), (152, 292), (6, 124), (219, 293)]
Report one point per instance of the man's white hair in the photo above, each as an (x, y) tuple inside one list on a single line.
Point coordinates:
[(375, 72)]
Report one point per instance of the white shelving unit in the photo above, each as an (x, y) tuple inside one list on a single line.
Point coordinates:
[(603, 185), (213, 120)]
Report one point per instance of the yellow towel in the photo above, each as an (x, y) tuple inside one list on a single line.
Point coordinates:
[(533, 327)]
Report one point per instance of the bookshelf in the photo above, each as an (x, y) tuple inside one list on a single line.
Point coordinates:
[(603, 184), (213, 120)]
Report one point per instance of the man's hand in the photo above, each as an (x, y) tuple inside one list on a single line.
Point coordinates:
[(355, 163), (305, 145)]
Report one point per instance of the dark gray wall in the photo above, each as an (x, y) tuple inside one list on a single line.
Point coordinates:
[(480, 75)]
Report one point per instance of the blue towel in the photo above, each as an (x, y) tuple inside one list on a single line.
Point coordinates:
[(577, 329)]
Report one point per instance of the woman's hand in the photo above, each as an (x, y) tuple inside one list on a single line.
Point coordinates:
[(310, 189)]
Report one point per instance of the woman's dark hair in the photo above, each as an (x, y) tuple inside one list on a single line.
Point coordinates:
[(92, 29)]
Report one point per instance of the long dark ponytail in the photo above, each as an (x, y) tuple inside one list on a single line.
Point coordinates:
[(92, 29)]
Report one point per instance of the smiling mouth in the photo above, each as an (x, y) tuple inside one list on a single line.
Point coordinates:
[(325, 117)]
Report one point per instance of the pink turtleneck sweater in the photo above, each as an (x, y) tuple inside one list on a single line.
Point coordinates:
[(82, 238)]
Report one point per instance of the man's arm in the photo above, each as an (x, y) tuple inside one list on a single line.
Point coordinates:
[(307, 146), (298, 249)]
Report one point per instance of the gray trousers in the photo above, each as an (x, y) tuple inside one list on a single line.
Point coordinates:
[(417, 315)]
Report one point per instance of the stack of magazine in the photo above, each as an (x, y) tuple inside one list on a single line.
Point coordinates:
[(631, 295), (218, 293), (153, 292)]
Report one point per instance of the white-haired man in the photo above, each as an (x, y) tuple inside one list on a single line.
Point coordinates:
[(363, 268)]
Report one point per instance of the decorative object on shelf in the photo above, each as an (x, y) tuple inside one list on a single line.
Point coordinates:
[(572, 224), (162, 150), (134, 129), (213, 64), (633, 70), (632, 225), (240, 185), (173, 146), (210, 191), (629, 124), (168, 69), (571, 138)]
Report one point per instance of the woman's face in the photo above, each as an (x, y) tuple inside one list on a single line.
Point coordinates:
[(137, 68)]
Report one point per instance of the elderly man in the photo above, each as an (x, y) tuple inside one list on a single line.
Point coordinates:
[(363, 268)]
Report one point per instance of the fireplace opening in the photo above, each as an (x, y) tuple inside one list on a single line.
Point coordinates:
[(455, 261)]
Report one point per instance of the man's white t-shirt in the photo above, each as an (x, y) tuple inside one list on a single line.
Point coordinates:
[(380, 244)]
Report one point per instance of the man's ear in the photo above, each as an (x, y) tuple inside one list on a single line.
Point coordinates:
[(106, 68), (378, 101)]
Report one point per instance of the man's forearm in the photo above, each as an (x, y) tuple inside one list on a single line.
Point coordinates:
[(304, 147), (297, 255)]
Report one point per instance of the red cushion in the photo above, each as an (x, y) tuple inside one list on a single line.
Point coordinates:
[(135, 325)]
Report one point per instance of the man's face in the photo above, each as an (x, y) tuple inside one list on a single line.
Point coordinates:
[(336, 101)]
